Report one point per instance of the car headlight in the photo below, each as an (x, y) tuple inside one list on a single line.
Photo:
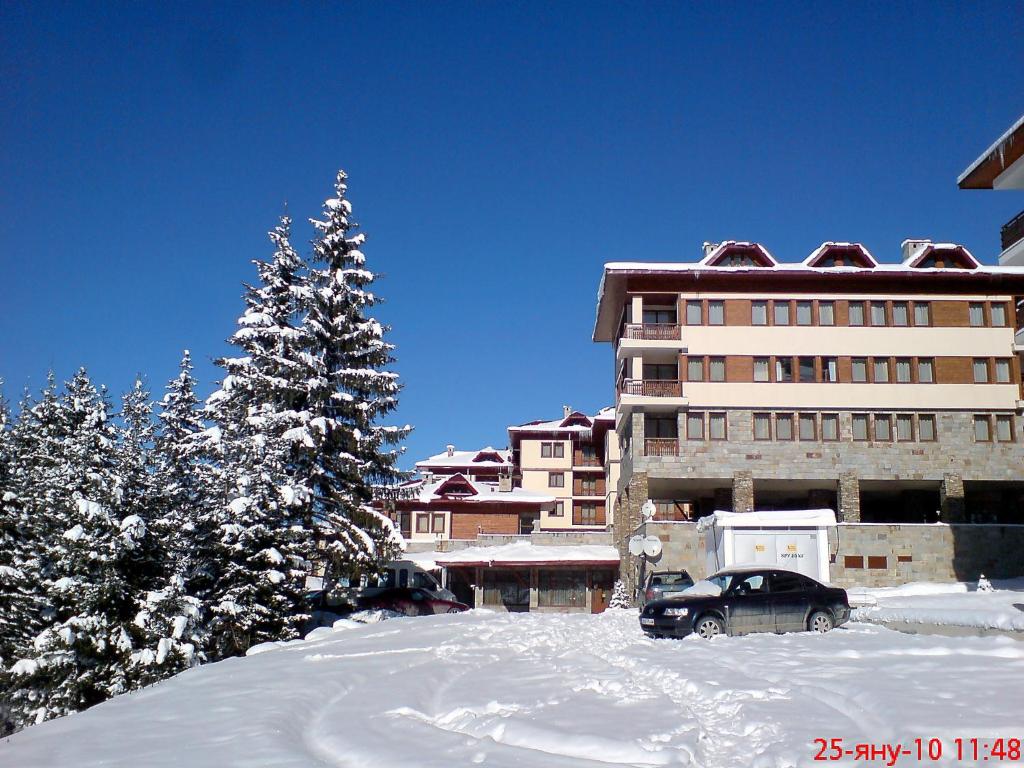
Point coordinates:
[(677, 611)]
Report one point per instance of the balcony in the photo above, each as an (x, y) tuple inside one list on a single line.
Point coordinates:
[(652, 387), (1012, 231), (653, 331), (661, 446)]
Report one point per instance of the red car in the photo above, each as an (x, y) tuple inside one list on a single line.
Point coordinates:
[(411, 602)]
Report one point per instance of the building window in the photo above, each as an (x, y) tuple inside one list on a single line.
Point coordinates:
[(559, 510), (693, 313), (1002, 371), (829, 369), (552, 450), (860, 426), (878, 313), (716, 313), (883, 427), (922, 313), (558, 450), (859, 369), (925, 370), (784, 426), (437, 524), (903, 370), (759, 313), (716, 426), (881, 370), (856, 313), (556, 480), (803, 313), (899, 313), (695, 426), (1004, 429), (659, 316), (784, 369), (805, 368), (716, 369), (904, 427), (545, 450), (982, 429), (808, 427), (761, 369), (980, 368), (762, 426), (660, 426), (976, 310), (829, 426), (695, 369), (999, 315), (781, 312), (562, 587), (926, 428), (588, 486), (422, 522), (826, 313)]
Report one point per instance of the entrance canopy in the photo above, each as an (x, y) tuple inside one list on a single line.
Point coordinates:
[(527, 554), (797, 518)]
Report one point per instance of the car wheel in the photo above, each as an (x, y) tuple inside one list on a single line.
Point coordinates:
[(820, 622), (710, 626), (453, 610)]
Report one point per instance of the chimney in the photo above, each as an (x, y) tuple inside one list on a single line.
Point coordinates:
[(912, 248), (709, 247), (505, 484), (566, 410), (451, 450)]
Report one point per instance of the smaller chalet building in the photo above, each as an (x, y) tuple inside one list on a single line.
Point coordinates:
[(457, 507)]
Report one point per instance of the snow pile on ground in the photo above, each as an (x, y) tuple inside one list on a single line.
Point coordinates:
[(958, 604), (552, 690)]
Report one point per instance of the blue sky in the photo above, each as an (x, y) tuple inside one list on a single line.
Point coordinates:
[(498, 155)]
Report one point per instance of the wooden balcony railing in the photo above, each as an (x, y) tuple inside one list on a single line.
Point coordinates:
[(661, 446), (1011, 233), (653, 331), (652, 387)]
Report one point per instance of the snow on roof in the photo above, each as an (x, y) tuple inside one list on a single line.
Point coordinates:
[(829, 245), (674, 266), (556, 425), (468, 459), (769, 519), (487, 493), (724, 247), (995, 146), (526, 553)]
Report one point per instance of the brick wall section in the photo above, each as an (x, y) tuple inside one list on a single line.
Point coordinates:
[(743, 491), (940, 553), (954, 451), (848, 498), (682, 547), (951, 498), (627, 519), (466, 525)]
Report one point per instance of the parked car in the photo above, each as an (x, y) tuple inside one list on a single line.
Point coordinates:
[(664, 583), (411, 602), (737, 601)]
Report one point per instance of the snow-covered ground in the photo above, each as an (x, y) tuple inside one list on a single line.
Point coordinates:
[(545, 690), (956, 605)]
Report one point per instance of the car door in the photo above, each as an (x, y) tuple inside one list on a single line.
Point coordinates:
[(748, 604), (790, 601)]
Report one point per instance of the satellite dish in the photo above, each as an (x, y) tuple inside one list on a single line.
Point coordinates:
[(636, 545), (652, 546), (648, 509)]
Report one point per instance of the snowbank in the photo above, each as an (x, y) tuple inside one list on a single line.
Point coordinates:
[(957, 604), (551, 690)]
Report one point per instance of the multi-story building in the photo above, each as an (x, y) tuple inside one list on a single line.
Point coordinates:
[(575, 459), (487, 464), (888, 392)]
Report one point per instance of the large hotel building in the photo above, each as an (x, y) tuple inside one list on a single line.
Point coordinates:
[(890, 393)]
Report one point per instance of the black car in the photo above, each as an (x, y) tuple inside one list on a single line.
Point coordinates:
[(748, 600)]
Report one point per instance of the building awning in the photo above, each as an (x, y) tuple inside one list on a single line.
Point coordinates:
[(525, 554), (797, 518)]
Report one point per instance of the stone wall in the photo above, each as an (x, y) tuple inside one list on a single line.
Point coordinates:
[(818, 460), (878, 555), (882, 555)]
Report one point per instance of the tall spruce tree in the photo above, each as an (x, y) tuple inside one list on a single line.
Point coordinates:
[(264, 545), (347, 451), (82, 657)]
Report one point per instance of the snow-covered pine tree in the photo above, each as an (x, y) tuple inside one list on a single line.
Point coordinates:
[(620, 596), (81, 658), (343, 450), (264, 541)]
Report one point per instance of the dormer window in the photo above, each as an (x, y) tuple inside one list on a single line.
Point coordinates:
[(829, 255)]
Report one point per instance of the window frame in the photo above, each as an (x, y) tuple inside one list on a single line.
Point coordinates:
[(713, 305), (986, 419), (1004, 418), (854, 362), (553, 476), (1004, 364), (883, 418), (865, 419), (754, 306), (694, 362), (903, 418), (878, 305), (778, 305), (832, 418), (695, 417), (905, 307), (809, 307), (767, 418), (788, 418), (712, 417), (804, 417), (930, 419), (690, 305), (928, 362), (716, 360), (979, 307), (767, 362), (983, 363), (862, 311), (831, 305), (927, 307), (880, 364)]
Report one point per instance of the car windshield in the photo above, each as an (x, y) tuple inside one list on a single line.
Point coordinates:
[(713, 586), (670, 579)]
